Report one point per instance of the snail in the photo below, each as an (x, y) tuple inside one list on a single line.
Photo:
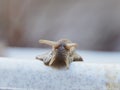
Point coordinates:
[(62, 54)]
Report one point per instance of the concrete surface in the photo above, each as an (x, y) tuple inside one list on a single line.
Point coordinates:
[(34, 75)]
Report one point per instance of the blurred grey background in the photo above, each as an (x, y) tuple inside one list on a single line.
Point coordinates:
[(93, 24)]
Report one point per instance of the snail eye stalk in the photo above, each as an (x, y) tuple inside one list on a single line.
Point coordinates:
[(68, 46), (48, 42)]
